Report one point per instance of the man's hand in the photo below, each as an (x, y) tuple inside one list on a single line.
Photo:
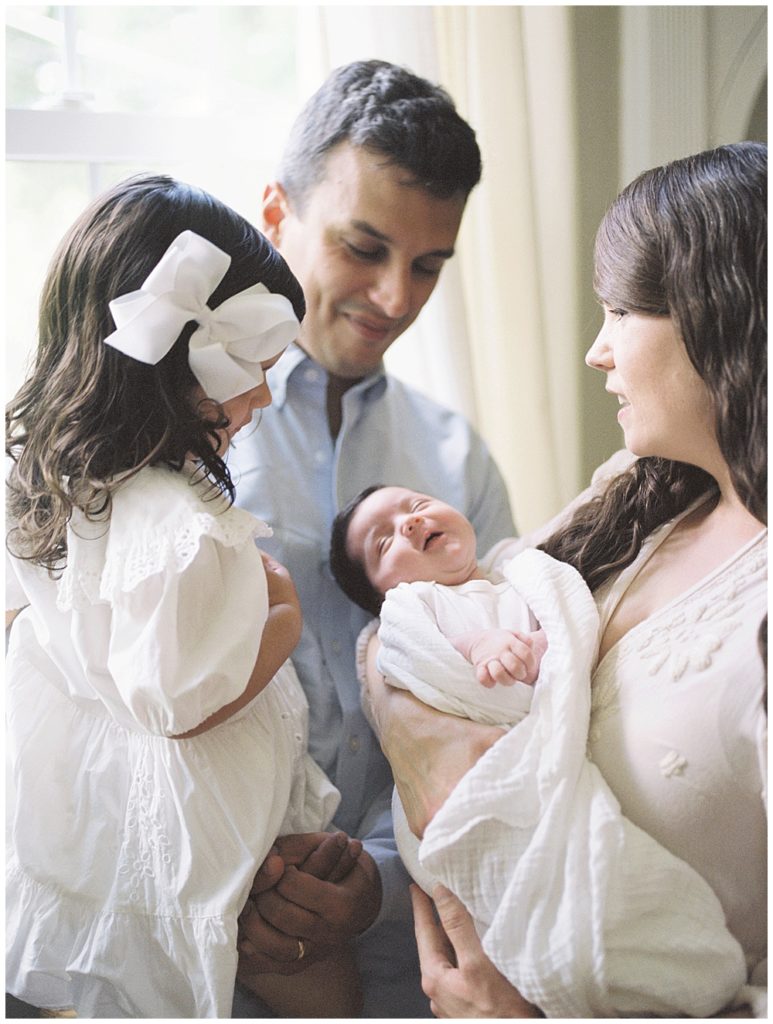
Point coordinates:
[(456, 974), (502, 655), (318, 888)]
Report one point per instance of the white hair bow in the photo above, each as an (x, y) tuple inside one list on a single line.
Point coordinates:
[(230, 343)]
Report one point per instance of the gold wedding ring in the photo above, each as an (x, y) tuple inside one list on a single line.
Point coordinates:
[(301, 950)]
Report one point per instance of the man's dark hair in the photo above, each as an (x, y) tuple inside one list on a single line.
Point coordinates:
[(348, 572), (390, 111)]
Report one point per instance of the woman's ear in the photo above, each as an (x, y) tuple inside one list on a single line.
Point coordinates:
[(275, 209)]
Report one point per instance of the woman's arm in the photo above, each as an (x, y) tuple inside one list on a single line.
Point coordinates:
[(281, 634), (429, 751)]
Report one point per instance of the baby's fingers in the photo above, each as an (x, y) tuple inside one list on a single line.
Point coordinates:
[(493, 671), (528, 658), (515, 667), (483, 675)]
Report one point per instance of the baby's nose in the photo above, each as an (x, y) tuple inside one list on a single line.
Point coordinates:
[(410, 523)]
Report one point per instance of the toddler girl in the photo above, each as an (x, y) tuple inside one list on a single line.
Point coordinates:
[(156, 730)]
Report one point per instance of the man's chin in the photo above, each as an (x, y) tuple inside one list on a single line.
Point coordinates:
[(355, 366)]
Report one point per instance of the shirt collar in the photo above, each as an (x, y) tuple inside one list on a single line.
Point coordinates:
[(294, 360)]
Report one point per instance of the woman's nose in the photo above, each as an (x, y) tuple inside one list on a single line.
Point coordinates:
[(599, 355)]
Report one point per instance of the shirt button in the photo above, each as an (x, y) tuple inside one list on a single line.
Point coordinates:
[(311, 375), (354, 744), (336, 645), (319, 458)]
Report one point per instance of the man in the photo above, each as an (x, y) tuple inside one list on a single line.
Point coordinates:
[(366, 210)]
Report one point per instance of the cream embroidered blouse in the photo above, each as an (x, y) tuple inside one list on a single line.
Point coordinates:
[(678, 728)]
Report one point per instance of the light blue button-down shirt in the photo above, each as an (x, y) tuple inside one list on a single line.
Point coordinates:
[(292, 474)]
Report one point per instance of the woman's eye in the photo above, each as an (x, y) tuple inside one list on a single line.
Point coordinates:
[(617, 313)]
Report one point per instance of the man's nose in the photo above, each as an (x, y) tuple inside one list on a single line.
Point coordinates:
[(392, 291)]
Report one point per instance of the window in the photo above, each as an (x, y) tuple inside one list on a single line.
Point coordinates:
[(95, 94)]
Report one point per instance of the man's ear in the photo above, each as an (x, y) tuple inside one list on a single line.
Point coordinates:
[(275, 209)]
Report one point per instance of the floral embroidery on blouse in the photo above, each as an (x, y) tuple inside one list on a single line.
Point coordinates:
[(672, 763), (683, 638), (689, 640)]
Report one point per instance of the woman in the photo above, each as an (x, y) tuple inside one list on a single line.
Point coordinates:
[(674, 550)]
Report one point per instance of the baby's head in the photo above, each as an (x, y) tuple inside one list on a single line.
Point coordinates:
[(389, 535)]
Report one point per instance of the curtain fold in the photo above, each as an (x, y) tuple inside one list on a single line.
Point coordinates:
[(509, 70)]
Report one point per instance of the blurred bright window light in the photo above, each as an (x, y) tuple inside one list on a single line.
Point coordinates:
[(95, 94)]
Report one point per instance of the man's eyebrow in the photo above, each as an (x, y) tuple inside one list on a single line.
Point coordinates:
[(368, 229)]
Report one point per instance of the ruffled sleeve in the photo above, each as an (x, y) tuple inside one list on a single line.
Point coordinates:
[(183, 644), (187, 597)]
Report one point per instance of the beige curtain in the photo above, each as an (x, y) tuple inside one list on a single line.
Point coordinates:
[(499, 338), (510, 71)]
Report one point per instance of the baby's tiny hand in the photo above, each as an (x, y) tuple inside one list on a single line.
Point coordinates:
[(506, 657)]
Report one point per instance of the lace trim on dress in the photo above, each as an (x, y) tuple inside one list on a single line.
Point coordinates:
[(92, 575)]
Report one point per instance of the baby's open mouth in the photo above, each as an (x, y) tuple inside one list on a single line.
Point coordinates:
[(430, 538)]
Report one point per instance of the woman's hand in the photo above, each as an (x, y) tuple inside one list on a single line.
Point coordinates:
[(428, 751), (456, 974)]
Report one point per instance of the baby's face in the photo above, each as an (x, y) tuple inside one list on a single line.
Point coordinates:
[(400, 536)]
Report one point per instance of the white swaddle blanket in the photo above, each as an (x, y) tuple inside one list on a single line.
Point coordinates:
[(583, 912)]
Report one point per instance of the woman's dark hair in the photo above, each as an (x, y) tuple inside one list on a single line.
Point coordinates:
[(87, 412), (387, 110), (687, 240), (348, 572)]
